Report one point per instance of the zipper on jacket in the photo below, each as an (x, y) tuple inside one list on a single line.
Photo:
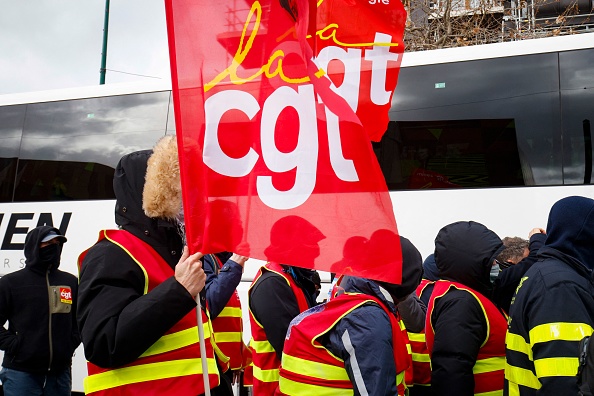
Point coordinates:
[(50, 291)]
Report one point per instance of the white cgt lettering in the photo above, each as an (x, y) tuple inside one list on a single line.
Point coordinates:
[(379, 57), (304, 157), (214, 108)]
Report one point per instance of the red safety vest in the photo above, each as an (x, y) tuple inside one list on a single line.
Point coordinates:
[(490, 362), (308, 368), (421, 361), (265, 361), (172, 365), (228, 330)]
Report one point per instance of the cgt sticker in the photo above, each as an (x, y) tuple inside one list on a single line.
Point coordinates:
[(66, 295)]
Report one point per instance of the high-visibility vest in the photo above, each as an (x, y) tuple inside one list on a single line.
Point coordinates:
[(228, 330), (490, 363), (172, 364), (421, 361), (408, 374), (308, 368), (264, 358)]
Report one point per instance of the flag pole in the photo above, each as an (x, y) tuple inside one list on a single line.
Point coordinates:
[(202, 347), (104, 47)]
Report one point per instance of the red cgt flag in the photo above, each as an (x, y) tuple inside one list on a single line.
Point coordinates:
[(275, 102)]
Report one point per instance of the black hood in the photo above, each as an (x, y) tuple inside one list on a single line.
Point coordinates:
[(570, 229), (128, 185), (412, 272), (464, 253), (32, 242)]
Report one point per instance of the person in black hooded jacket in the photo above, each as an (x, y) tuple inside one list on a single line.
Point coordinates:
[(461, 316), (553, 308), (119, 316), (39, 303)]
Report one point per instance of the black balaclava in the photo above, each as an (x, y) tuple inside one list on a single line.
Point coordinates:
[(42, 259)]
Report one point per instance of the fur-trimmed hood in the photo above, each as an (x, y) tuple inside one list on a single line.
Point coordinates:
[(128, 185), (162, 196)]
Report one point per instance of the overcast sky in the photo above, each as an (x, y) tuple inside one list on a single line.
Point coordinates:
[(49, 44)]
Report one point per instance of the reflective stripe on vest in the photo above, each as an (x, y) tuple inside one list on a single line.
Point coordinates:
[(308, 368), (173, 361), (146, 372), (421, 361), (408, 375), (544, 367), (265, 361), (489, 367), (228, 329)]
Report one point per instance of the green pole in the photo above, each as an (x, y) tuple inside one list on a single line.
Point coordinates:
[(104, 48)]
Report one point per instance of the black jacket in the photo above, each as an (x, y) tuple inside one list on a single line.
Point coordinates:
[(464, 253), (117, 322), (274, 304), (31, 301), (554, 306)]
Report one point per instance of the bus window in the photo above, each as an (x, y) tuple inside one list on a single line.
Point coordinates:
[(450, 154), (11, 127), (171, 118), (520, 94), (70, 148), (577, 103)]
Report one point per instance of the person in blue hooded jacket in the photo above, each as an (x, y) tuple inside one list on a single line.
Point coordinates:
[(362, 338), (553, 308)]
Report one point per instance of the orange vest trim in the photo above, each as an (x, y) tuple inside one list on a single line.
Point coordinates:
[(173, 363), (265, 361), (490, 363)]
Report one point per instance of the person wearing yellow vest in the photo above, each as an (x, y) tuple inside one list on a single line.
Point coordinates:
[(225, 311), (354, 343), (420, 384), (465, 331), (553, 308), (162, 199), (278, 293), (137, 310)]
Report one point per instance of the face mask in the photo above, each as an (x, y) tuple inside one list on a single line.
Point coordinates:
[(50, 254), (494, 272)]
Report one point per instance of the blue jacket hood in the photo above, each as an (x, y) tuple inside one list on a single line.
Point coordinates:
[(430, 270), (570, 229), (353, 284)]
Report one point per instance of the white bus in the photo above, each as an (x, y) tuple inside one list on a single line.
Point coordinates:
[(494, 133)]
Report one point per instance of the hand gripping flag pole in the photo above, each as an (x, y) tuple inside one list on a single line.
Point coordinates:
[(202, 347)]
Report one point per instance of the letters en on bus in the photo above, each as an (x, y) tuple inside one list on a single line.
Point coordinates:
[(275, 105)]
